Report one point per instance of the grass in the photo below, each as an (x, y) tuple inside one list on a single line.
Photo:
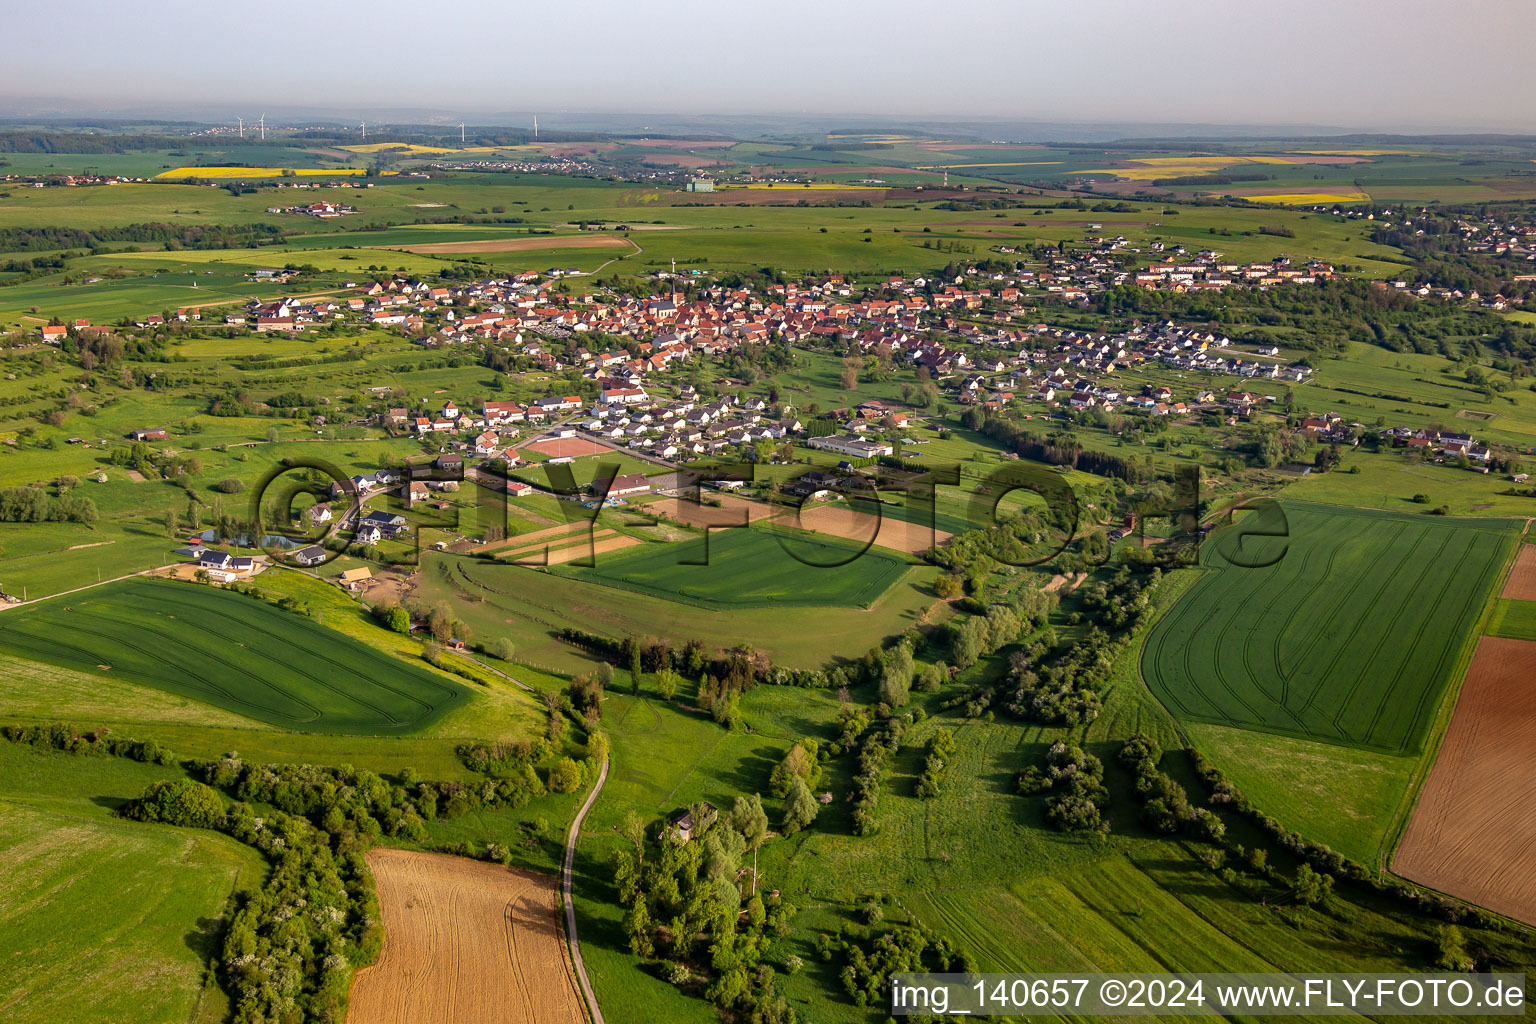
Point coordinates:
[(1348, 638), (749, 568), (530, 607), (1336, 795), (102, 920), (232, 652), (1513, 619)]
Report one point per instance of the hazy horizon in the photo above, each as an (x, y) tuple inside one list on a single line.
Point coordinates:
[(1372, 65)]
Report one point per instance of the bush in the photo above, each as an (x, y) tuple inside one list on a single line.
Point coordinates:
[(178, 802), (229, 485)]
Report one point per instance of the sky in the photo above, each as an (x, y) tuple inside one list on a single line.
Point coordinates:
[(1375, 65)]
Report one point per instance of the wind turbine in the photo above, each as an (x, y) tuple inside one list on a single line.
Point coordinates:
[(364, 126), (263, 127), (535, 127), (242, 126), (461, 133)]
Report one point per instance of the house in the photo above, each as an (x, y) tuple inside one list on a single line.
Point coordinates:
[(319, 512), (518, 489), (310, 556), (152, 434), (451, 462), (55, 333), (683, 824), (224, 567)]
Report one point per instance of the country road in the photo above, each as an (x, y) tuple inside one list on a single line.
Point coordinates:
[(570, 907)]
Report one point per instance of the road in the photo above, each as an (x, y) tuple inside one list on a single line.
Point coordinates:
[(570, 908)]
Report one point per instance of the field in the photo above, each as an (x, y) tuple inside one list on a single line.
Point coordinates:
[(1521, 585), (233, 652), (465, 940), (101, 920), (1513, 619), (861, 527), (750, 568), (1473, 830), (518, 244), (530, 607), (1348, 638), (732, 511)]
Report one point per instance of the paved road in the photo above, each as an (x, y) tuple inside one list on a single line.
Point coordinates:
[(570, 908)]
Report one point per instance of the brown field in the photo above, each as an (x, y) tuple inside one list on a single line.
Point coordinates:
[(575, 551), (1473, 830), (896, 534), (1521, 584), (549, 533), (514, 244), (465, 941), (562, 447), (691, 513), (533, 554)]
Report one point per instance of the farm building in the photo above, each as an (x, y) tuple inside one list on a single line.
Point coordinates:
[(353, 579), (624, 484)]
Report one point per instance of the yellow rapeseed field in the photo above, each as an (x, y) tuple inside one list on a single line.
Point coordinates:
[(1311, 198), (259, 172), (1149, 168)]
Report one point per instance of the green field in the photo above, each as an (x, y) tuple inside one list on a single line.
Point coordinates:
[(1514, 619), (1349, 638), (236, 653), (104, 921), (749, 568)]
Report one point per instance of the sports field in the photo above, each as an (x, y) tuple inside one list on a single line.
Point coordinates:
[(1350, 637), (231, 651), (749, 568)]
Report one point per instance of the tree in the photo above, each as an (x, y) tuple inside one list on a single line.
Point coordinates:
[(633, 829), (800, 807), (749, 819), (896, 683), (565, 776), (799, 763), (634, 666), (637, 925), (194, 521), (172, 522), (178, 802), (1311, 886), (399, 620), (503, 648), (667, 682)]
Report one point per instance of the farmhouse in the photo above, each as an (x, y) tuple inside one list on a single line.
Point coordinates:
[(151, 434)]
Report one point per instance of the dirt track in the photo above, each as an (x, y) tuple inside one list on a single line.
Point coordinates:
[(465, 941), (1473, 830), (896, 534), (515, 244), (1522, 578)]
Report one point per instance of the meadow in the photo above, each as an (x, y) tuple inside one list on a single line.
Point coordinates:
[(530, 607), (103, 920), (1348, 635), (233, 652)]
